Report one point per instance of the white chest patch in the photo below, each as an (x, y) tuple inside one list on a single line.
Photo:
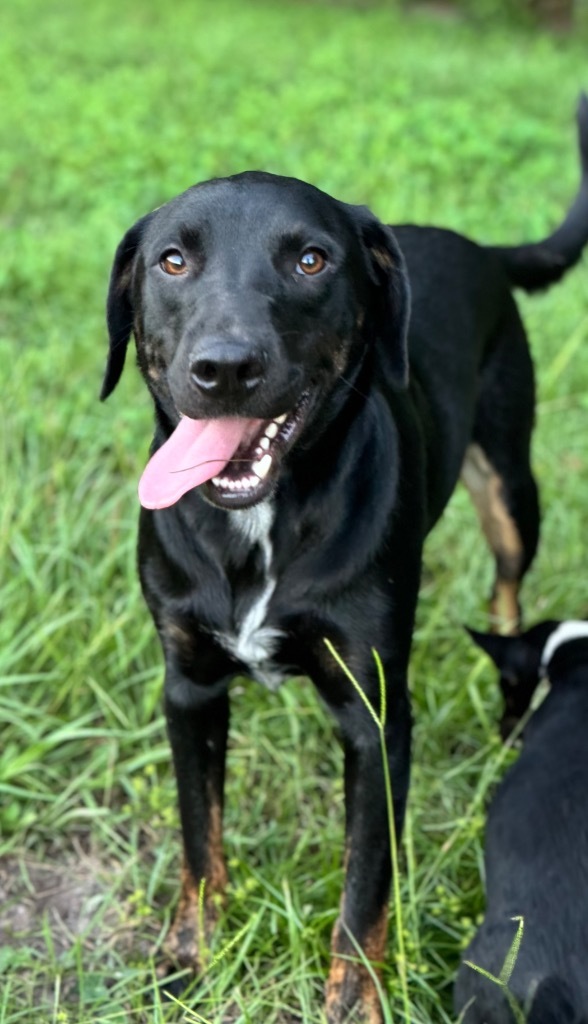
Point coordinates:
[(253, 642)]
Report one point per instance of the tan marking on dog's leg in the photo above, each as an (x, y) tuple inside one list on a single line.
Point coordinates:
[(375, 940), (505, 613), (351, 993), (197, 914), (486, 489), (217, 877), (183, 941)]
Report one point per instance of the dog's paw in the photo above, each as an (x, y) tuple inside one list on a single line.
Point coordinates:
[(351, 995), (180, 961), (172, 981)]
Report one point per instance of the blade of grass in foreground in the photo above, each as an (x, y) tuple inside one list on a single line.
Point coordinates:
[(380, 723)]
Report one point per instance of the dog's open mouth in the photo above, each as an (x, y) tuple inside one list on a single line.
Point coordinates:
[(236, 459)]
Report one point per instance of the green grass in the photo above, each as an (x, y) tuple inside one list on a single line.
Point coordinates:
[(108, 110)]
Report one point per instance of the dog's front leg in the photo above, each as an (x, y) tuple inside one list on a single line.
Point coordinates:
[(197, 721), (360, 932)]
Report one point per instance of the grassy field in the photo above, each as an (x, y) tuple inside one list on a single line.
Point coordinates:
[(108, 109)]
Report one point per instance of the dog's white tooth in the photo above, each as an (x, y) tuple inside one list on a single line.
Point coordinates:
[(231, 485), (252, 481), (271, 430), (281, 419), (216, 480), (262, 468), (238, 485), (263, 445)]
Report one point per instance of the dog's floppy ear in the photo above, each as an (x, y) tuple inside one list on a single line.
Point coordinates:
[(389, 311), (119, 305), (500, 648)]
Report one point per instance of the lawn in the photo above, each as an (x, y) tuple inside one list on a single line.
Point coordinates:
[(109, 109)]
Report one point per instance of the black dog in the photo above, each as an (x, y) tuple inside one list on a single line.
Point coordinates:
[(537, 841), (296, 470)]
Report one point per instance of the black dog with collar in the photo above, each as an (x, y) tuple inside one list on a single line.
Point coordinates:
[(537, 841), (297, 467)]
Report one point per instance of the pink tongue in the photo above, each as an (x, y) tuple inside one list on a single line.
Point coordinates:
[(196, 451)]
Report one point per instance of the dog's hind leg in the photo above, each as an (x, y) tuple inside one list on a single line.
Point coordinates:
[(497, 472), (493, 503)]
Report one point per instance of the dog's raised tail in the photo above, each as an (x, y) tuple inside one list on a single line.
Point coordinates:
[(537, 265)]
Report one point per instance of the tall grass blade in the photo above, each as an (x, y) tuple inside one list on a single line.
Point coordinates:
[(511, 956), (516, 1009), (380, 725)]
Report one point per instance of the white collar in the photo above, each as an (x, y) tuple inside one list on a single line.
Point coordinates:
[(573, 629)]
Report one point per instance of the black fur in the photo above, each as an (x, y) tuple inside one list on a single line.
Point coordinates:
[(537, 847), (534, 267), (374, 462), (518, 677)]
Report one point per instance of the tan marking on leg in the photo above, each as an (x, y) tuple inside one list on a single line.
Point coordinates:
[(183, 941), (505, 614), (486, 489), (351, 993), (375, 940), (217, 869), (196, 915)]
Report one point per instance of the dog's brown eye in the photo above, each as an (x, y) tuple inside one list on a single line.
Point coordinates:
[(311, 262), (173, 262)]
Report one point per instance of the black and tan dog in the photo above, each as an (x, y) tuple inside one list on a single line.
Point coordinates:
[(297, 467), (537, 841)]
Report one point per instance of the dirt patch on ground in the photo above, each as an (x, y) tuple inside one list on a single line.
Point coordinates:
[(47, 908), (66, 896), (57, 915)]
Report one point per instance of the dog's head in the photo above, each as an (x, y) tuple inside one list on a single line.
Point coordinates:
[(256, 302), (546, 650)]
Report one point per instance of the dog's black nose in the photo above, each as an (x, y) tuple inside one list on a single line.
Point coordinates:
[(221, 367)]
